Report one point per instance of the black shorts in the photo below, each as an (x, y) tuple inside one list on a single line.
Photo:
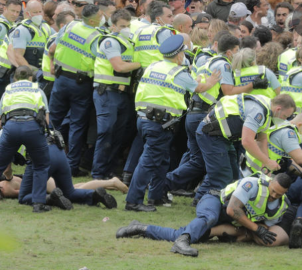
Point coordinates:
[(288, 218)]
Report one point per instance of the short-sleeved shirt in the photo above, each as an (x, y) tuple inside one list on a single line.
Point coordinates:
[(163, 34), (247, 191), (3, 28), (226, 71), (186, 81), (202, 60), (271, 77), (254, 114), (21, 37), (297, 79), (93, 46), (286, 139)]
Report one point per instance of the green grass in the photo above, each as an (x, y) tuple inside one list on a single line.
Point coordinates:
[(73, 239)]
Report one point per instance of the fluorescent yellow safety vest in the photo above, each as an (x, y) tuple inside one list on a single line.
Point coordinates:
[(286, 61), (4, 62), (157, 89), (234, 106), (104, 72), (274, 151), (257, 210), (46, 60), (73, 53), (248, 75), (294, 91), (22, 95), (200, 52)]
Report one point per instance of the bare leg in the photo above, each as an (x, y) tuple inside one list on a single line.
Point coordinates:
[(51, 185), (281, 238), (8, 173), (113, 183), (239, 232)]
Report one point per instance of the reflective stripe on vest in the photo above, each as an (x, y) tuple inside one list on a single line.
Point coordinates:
[(19, 106)]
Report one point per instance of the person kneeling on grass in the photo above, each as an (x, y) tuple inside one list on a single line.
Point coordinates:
[(254, 203)]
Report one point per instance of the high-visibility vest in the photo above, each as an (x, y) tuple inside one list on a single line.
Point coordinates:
[(157, 89)]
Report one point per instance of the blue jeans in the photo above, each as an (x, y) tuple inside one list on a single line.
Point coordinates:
[(60, 171), (220, 160), (195, 166), (153, 163), (28, 133), (68, 95), (207, 215), (112, 110)]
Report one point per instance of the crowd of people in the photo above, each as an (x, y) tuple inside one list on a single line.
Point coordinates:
[(180, 97)]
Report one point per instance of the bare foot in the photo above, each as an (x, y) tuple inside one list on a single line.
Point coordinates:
[(118, 184)]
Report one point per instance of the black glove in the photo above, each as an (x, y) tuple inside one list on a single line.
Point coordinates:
[(265, 235), (259, 83)]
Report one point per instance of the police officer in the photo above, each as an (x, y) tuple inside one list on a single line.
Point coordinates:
[(11, 12), (200, 104), (22, 106), (74, 53), (160, 99), (292, 84), (247, 202), (30, 37), (60, 171), (283, 143), (46, 78), (107, 7), (233, 118)]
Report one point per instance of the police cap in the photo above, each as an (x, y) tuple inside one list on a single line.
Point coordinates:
[(172, 46)]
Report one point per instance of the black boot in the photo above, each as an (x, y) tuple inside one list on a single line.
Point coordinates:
[(182, 246), (134, 228), (56, 198), (40, 208), (295, 236), (101, 196), (127, 176)]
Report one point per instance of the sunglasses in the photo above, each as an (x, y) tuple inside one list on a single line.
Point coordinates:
[(78, 4)]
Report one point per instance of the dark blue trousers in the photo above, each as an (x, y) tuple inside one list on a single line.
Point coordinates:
[(68, 95), (60, 171), (153, 163), (207, 215), (220, 160), (112, 116), (295, 195), (195, 166), (134, 154), (28, 133)]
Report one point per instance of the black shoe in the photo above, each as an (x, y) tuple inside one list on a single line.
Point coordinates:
[(139, 207), (56, 198), (78, 173), (295, 236), (101, 196), (182, 246), (194, 202), (135, 228), (40, 208), (127, 176), (183, 193)]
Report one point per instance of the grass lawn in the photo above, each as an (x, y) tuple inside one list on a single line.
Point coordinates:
[(73, 239)]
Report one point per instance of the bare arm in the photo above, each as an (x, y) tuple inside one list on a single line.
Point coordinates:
[(229, 89), (19, 57), (250, 145), (235, 211), (296, 155), (121, 66), (277, 90), (11, 56)]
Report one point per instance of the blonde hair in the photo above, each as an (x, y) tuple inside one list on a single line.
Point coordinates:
[(199, 37), (244, 58), (217, 25)]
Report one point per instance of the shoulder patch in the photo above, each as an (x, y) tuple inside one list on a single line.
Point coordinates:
[(108, 44), (258, 118), (247, 186), (291, 134), (16, 33), (227, 67)]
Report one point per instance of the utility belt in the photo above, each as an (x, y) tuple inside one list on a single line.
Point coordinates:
[(160, 116), (118, 88), (80, 77), (198, 107), (39, 117), (214, 192)]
